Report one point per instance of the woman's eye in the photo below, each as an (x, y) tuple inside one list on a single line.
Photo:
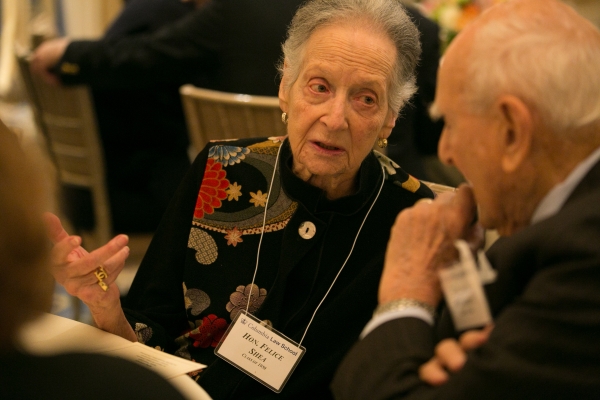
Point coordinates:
[(368, 100), (318, 87)]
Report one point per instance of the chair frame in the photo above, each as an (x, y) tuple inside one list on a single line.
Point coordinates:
[(254, 116), (73, 143)]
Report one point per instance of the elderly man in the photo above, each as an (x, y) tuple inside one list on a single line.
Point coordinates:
[(518, 91)]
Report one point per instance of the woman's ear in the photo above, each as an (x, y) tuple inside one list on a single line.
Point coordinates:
[(389, 124), (517, 132), (283, 91)]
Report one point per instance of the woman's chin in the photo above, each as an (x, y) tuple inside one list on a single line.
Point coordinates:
[(325, 167)]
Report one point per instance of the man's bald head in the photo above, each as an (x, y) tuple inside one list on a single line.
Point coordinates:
[(539, 50)]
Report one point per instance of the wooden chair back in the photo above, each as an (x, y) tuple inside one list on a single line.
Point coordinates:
[(66, 118), (214, 115)]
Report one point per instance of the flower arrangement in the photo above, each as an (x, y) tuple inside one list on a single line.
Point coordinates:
[(453, 15)]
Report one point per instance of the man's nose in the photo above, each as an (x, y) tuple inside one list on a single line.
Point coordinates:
[(444, 148)]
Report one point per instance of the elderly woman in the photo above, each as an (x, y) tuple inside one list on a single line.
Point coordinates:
[(26, 290), (291, 229)]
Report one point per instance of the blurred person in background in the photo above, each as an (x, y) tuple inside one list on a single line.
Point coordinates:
[(141, 128), (26, 286), (414, 139)]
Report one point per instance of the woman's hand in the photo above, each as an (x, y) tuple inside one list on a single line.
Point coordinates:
[(451, 355), (74, 268)]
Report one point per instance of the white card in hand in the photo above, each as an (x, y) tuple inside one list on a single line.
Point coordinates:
[(463, 291)]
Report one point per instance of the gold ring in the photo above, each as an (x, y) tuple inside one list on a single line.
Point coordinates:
[(101, 275), (424, 201)]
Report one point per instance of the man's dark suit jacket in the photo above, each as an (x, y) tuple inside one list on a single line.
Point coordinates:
[(135, 73), (546, 307)]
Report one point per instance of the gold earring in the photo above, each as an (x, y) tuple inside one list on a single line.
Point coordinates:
[(382, 143), (284, 118)]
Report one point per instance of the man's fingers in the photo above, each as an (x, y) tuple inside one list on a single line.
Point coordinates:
[(450, 355), (473, 339), (466, 207), (433, 373), (465, 197)]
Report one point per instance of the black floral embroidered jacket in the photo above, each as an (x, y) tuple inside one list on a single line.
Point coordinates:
[(197, 273)]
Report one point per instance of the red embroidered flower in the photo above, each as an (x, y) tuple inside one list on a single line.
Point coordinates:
[(212, 190), (210, 332)]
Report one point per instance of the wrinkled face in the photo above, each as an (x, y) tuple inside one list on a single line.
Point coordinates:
[(338, 106), (469, 141)]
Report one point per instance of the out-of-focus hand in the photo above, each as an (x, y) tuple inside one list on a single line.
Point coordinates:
[(422, 242), (451, 355), (47, 56), (73, 267)]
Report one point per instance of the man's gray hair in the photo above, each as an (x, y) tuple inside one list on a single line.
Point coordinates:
[(554, 68), (385, 15)]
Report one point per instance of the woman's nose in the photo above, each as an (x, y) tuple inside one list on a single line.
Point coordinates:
[(335, 116)]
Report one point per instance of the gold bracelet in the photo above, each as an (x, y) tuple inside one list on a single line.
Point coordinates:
[(401, 304)]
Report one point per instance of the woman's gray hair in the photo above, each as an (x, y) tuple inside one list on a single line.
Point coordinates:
[(386, 15), (554, 68)]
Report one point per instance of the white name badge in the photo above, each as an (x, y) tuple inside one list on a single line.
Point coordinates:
[(463, 290), (262, 353)]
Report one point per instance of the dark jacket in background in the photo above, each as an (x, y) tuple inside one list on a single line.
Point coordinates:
[(415, 134)]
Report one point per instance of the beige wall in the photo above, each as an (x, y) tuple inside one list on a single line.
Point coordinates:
[(587, 8), (87, 19)]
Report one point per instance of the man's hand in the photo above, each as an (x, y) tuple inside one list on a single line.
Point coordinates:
[(422, 242), (46, 56), (450, 356)]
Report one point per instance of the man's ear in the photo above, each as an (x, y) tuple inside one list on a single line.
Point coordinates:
[(283, 93), (516, 134)]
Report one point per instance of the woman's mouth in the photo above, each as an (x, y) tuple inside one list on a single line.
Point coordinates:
[(326, 147)]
